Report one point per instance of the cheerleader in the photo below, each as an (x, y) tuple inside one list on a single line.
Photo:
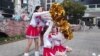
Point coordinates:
[(53, 41), (57, 38), (34, 29), (47, 50)]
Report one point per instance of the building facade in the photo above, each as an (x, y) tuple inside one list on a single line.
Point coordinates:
[(47, 3), (7, 7), (93, 10), (17, 6)]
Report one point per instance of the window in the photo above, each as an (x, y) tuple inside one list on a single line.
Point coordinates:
[(91, 6), (24, 3), (49, 3), (53, 1), (98, 6), (48, 6)]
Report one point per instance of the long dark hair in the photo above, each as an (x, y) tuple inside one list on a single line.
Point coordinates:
[(36, 8)]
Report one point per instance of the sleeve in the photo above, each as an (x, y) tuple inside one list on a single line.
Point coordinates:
[(40, 13), (47, 42), (33, 22), (46, 16), (49, 29)]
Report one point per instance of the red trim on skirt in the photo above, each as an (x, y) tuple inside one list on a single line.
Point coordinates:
[(33, 31), (59, 48), (47, 51)]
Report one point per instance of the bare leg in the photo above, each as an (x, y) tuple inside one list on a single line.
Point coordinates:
[(36, 41), (41, 41), (29, 43)]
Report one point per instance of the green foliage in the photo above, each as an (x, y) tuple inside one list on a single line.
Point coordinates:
[(74, 10), (11, 39)]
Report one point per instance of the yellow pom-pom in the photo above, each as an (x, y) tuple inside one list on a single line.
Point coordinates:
[(57, 12)]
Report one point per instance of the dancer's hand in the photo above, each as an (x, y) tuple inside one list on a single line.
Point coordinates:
[(69, 49)]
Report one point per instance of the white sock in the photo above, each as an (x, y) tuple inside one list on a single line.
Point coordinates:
[(41, 50), (36, 53), (26, 54)]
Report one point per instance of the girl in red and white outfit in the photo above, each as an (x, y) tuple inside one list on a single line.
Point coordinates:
[(57, 39), (53, 42), (48, 50), (34, 29)]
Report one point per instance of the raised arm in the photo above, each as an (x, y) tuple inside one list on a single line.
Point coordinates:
[(49, 28), (33, 23), (40, 13)]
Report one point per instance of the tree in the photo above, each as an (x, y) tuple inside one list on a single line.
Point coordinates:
[(73, 10)]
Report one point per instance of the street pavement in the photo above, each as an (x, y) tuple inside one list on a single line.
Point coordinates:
[(14, 49), (85, 43)]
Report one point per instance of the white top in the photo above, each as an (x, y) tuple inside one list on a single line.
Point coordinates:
[(57, 38), (33, 23), (47, 42)]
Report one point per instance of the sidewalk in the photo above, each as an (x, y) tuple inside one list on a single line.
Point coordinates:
[(84, 43), (13, 49)]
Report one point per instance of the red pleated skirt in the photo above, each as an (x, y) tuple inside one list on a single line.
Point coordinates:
[(33, 31), (47, 51), (59, 48)]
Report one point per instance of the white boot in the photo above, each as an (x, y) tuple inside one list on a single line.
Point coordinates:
[(26, 54), (36, 53)]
